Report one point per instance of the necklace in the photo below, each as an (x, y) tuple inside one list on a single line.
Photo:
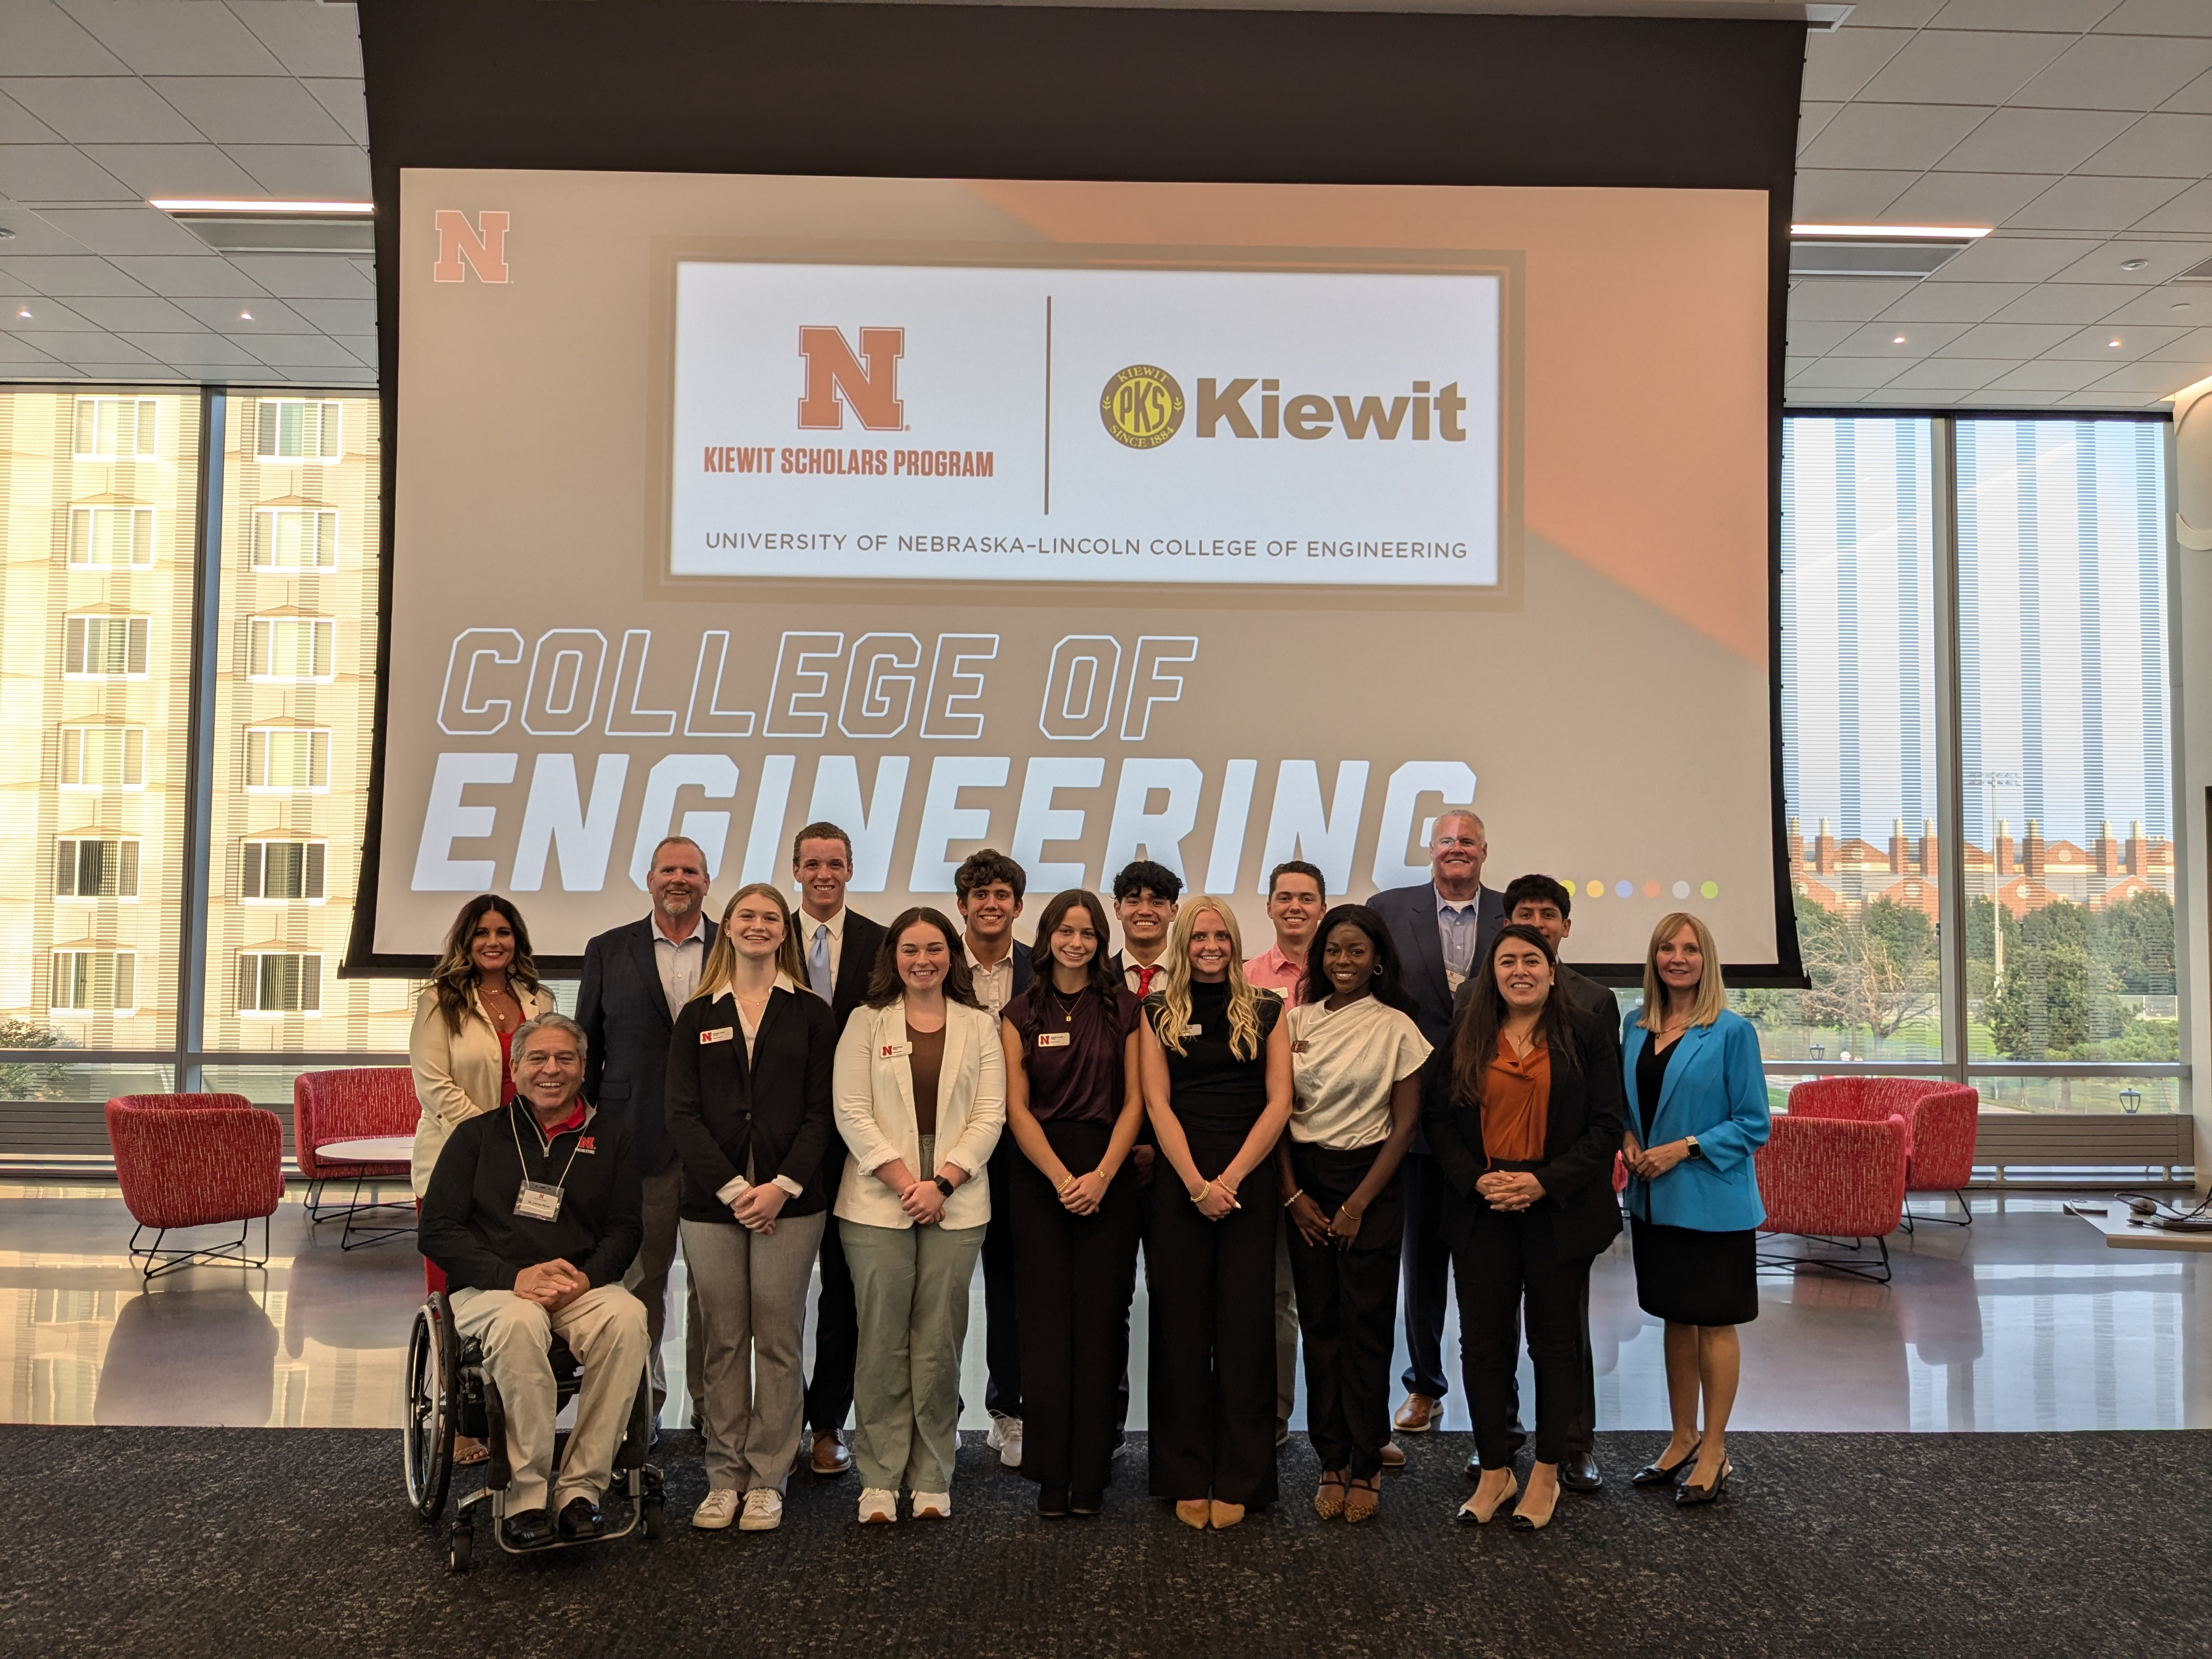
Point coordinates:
[(1065, 1004)]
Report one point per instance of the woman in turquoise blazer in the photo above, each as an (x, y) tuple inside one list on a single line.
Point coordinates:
[(1697, 1112)]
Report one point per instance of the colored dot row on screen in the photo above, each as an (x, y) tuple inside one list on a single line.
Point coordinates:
[(1651, 889)]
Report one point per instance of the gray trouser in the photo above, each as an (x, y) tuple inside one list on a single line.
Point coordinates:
[(912, 1285), (605, 1330), (647, 1280), (752, 1289), (1287, 1323)]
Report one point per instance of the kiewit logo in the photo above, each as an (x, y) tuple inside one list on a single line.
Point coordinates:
[(1141, 406), (463, 247), (835, 379)]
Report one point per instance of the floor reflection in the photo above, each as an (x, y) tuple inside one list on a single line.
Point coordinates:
[(2025, 1321)]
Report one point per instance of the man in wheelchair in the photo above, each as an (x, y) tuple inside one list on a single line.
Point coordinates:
[(533, 1213)]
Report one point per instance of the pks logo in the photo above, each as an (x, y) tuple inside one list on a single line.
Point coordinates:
[(1141, 406), (837, 377), (463, 247)]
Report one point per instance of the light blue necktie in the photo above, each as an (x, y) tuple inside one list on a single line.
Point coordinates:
[(817, 962)]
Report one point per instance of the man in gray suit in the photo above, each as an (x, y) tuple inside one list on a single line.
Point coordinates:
[(637, 978), (1441, 928)]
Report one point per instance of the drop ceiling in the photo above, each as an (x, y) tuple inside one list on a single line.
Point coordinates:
[(2081, 130)]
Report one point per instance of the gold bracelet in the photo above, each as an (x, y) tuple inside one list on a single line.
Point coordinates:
[(1294, 1197), (1204, 1187)]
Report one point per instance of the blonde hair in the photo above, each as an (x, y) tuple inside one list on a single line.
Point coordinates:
[(1711, 1001), (1174, 992), (721, 964)]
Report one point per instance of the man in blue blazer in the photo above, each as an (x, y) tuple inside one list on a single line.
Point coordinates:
[(1441, 928), (637, 978)]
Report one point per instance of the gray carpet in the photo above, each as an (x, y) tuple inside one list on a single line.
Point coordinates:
[(231, 1543)]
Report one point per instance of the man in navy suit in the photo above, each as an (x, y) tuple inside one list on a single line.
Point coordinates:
[(637, 978), (989, 886), (1441, 928), (839, 946)]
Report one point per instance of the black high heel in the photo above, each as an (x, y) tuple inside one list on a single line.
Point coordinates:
[(1052, 1501), (1655, 1473), (1689, 1494)]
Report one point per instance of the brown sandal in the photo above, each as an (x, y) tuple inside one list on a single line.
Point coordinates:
[(467, 1450), (1363, 1499), (1328, 1498)]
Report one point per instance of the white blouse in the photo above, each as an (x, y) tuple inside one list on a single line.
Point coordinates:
[(1344, 1064)]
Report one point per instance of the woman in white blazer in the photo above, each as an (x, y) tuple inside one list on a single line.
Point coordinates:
[(920, 1087), (484, 987)]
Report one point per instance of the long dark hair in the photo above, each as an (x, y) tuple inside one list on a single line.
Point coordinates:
[(455, 975), (1474, 1044), (884, 985), (1388, 984), (1101, 979)]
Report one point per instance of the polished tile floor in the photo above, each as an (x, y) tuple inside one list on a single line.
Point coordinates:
[(2025, 1321)]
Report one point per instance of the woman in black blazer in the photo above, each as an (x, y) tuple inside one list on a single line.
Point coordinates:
[(749, 1108), (1524, 1113)]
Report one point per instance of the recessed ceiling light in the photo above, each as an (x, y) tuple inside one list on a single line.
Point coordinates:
[(1941, 233), (2111, 343), (2133, 264), (1896, 339), (22, 313), (245, 316), (199, 204), (2178, 305)]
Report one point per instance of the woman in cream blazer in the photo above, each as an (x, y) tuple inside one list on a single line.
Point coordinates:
[(484, 987), (920, 1091)]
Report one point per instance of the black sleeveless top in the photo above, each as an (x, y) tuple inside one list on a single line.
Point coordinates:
[(1209, 1089)]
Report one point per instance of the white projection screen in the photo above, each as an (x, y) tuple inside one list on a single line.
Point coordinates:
[(1219, 523)]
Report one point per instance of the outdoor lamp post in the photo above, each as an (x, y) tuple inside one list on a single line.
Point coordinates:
[(2130, 1099)]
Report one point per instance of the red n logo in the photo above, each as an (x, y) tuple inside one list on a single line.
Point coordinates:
[(483, 245), (835, 379)]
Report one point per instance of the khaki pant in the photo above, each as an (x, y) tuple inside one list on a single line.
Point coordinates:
[(912, 1285), (752, 1304), (604, 1328)]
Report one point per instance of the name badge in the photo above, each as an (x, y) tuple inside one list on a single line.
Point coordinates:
[(1299, 1046), (1054, 1039), (1454, 981), (539, 1201), (719, 1034), (895, 1051), (1193, 1030)]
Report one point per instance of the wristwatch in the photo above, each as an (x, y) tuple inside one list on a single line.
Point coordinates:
[(943, 1185), (1690, 1141)]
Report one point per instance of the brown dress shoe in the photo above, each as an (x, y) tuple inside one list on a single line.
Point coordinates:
[(1417, 1416), (1392, 1458), (830, 1458)]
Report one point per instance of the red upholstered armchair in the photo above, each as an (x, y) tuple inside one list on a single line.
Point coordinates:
[(1941, 1121), (196, 1161), (358, 1104), (1831, 1179)]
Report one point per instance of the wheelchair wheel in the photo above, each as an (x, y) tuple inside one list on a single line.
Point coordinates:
[(426, 1434), (460, 1547)]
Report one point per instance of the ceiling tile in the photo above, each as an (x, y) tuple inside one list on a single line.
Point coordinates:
[(19, 126), (1838, 198), (363, 347), (147, 315), (1811, 117), (47, 316), (300, 351), (2157, 379), (1953, 302), (153, 170), (2011, 258), (208, 274), (1893, 14), (160, 37), (338, 316), (1948, 374), (107, 351), (306, 172), (2105, 262), (239, 110), (2090, 204), (2065, 16), (1880, 340), (322, 39), (1844, 299), (269, 316), (66, 278), (1966, 198), (2192, 346), (1913, 136), (57, 172), (2010, 398), (101, 110), (2048, 375), (1853, 370), (27, 233), (2068, 303), (347, 104), (17, 352), (1809, 336), (1972, 66), (2196, 98), (1823, 396), (44, 39), (1793, 367), (2166, 305), (2169, 146), (2191, 210), (2159, 17), (123, 230), (197, 349), (2115, 402), (2125, 72), (2135, 340), (1838, 62), (2038, 141), (307, 275), (2014, 340)]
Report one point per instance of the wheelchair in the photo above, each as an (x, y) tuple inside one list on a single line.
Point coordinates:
[(450, 1392)]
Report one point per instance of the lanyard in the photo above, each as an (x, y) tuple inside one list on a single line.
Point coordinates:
[(521, 1159)]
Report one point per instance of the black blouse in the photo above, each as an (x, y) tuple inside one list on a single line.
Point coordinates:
[(1650, 1079), (1210, 1088)]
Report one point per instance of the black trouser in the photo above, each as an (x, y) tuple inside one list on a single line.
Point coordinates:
[(1347, 1304), (1213, 1371), (1428, 1275), (1002, 1333), (1074, 1276), (836, 1324), (1510, 1263), (1582, 1427)]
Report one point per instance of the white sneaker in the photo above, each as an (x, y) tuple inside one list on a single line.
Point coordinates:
[(878, 1506), (1006, 1439), (719, 1508), (934, 1506), (763, 1510)]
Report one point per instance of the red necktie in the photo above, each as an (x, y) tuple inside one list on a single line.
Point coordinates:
[(1144, 981)]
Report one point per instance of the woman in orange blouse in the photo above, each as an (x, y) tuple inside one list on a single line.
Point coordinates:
[(1524, 1113)]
